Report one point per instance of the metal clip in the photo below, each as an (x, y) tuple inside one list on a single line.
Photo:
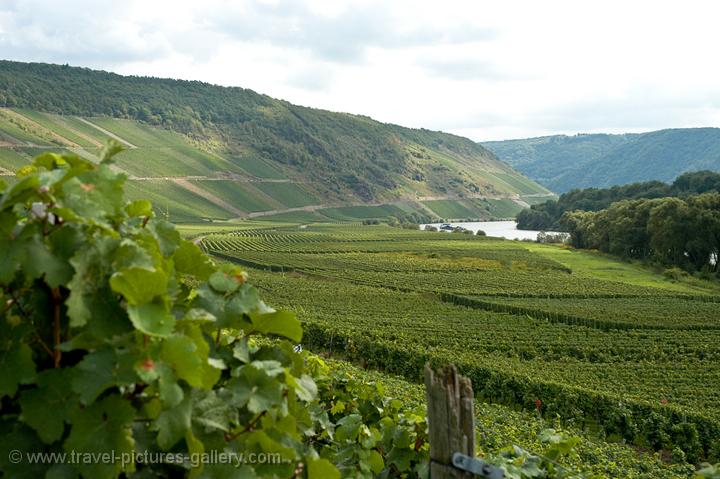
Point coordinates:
[(476, 466)]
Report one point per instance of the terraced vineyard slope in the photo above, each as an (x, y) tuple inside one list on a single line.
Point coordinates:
[(207, 152)]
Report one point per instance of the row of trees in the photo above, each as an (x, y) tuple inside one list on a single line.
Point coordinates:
[(546, 216), (672, 231)]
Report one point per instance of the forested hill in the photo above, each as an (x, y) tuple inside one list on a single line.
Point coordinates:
[(562, 163), (337, 157)]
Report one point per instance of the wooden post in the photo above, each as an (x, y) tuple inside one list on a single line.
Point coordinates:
[(451, 420)]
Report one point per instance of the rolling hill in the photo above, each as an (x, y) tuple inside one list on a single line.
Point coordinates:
[(204, 151), (562, 163)]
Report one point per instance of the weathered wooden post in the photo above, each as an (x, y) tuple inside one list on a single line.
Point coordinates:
[(451, 425)]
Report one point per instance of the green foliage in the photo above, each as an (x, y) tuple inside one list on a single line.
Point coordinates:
[(548, 215), (671, 231), (120, 338)]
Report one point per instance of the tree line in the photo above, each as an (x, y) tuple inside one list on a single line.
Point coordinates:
[(548, 215), (678, 232)]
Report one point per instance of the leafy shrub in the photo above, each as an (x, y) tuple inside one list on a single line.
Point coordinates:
[(120, 338)]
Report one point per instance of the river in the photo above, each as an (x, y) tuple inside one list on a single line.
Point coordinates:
[(499, 229)]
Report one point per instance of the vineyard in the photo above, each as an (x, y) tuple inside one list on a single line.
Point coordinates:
[(630, 360)]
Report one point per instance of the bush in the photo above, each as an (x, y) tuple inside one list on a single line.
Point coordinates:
[(121, 338), (675, 273), (480, 233)]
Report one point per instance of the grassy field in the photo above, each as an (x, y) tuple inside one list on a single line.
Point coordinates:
[(501, 208), (175, 202), (609, 347), (354, 213), (596, 265), (259, 168), (242, 195), (452, 209), (11, 159), (290, 195)]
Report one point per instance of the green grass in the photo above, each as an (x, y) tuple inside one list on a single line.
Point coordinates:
[(14, 133), (502, 208), (535, 200), (294, 216), (288, 194), (451, 209), (355, 213), (87, 130), (11, 160), (520, 183), (182, 204), (154, 162), (600, 266), (242, 195), (57, 125), (132, 132), (257, 167)]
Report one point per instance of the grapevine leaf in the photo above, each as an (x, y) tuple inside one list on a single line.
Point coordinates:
[(280, 323), (167, 236), (304, 386), (223, 282), (348, 427), (90, 266), (139, 285), (195, 448), (254, 388), (321, 469), (47, 407), (152, 318), (102, 427), (190, 260), (112, 147), (213, 412), (11, 254), (377, 464), (61, 471), (17, 367), (174, 423), (95, 194), (170, 391), (139, 208), (40, 261), (181, 353), (101, 370), (16, 436)]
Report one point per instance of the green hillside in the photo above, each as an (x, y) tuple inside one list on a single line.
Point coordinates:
[(562, 163), (262, 154)]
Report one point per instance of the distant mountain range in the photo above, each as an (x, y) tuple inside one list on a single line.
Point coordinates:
[(191, 143), (562, 163)]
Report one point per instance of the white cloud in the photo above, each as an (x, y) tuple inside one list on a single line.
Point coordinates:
[(486, 70)]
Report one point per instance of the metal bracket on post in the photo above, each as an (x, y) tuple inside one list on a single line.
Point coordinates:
[(476, 466)]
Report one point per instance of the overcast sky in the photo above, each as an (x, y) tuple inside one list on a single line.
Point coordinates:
[(485, 70)]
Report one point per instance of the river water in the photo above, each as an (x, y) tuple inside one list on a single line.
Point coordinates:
[(499, 229)]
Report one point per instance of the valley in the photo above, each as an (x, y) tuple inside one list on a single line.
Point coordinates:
[(593, 339)]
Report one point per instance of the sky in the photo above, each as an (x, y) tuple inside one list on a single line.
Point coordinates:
[(487, 70)]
